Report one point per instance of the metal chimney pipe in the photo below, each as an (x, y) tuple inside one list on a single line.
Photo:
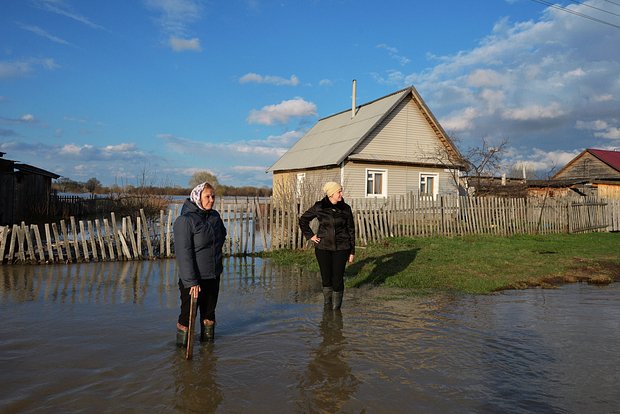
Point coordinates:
[(353, 98)]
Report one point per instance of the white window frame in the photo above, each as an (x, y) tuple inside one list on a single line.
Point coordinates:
[(384, 183), (422, 178), (299, 183)]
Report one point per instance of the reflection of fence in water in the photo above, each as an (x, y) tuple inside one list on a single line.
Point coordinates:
[(134, 281)]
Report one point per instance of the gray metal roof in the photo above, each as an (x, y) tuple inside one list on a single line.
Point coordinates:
[(332, 139)]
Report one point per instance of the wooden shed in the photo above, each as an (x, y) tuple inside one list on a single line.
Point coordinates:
[(393, 145), (25, 191), (593, 172)]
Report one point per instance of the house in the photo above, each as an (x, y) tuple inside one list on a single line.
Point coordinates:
[(24, 191), (593, 172), (390, 146)]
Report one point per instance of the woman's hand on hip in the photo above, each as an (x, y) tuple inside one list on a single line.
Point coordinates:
[(351, 257), (315, 239)]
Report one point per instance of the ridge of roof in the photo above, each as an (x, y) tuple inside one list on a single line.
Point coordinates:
[(357, 107)]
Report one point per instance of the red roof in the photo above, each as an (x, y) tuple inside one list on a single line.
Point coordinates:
[(611, 158)]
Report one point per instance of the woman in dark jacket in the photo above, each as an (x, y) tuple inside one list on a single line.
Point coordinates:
[(334, 241), (199, 236)]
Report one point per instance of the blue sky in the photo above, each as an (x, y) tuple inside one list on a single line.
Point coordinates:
[(158, 89)]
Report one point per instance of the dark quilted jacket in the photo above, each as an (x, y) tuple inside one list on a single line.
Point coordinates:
[(336, 226), (198, 240)]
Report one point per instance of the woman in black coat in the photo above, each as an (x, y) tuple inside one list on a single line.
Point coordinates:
[(199, 236), (334, 241)]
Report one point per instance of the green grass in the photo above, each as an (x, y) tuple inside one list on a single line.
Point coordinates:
[(477, 264)]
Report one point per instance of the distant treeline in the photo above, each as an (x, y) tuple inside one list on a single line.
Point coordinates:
[(93, 186)]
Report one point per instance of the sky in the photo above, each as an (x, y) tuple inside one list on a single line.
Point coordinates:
[(152, 91)]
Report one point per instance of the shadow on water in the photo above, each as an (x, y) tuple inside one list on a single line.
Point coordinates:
[(99, 337)]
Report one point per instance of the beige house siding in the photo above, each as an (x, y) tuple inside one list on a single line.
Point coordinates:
[(587, 166), (401, 179), (405, 133), (285, 183)]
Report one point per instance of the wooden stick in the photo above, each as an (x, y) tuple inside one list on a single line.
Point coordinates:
[(190, 329)]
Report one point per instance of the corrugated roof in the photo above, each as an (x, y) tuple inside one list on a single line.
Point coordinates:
[(333, 138), (611, 158)]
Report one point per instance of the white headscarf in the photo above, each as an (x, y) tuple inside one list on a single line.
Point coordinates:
[(195, 195)]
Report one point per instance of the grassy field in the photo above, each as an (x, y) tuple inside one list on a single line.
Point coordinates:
[(480, 264)]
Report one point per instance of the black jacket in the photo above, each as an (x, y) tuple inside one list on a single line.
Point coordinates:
[(336, 225), (199, 236)]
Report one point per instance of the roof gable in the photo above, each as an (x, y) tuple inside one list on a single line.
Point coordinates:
[(332, 139), (609, 158)]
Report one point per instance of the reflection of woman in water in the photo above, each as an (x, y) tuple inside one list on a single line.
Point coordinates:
[(328, 382), (196, 387)]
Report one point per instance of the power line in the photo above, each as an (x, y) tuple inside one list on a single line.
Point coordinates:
[(613, 2), (596, 8), (585, 16)]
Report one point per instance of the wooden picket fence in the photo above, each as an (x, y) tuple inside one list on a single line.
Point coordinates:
[(256, 225)]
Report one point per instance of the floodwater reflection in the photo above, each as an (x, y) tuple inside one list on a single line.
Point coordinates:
[(100, 337), (329, 381)]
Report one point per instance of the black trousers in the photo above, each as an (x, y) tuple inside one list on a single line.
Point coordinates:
[(332, 265), (207, 300)]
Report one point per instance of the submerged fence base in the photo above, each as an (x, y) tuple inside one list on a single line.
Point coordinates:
[(255, 225)]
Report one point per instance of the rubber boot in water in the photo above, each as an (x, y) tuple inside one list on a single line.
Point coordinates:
[(181, 338), (338, 300), (207, 332), (327, 295)]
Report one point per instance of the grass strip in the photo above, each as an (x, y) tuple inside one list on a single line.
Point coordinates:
[(477, 264)]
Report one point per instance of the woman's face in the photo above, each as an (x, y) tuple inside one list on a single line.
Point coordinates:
[(336, 197), (207, 198)]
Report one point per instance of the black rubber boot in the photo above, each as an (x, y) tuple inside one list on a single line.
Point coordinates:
[(181, 338), (327, 295), (338, 300), (207, 333)]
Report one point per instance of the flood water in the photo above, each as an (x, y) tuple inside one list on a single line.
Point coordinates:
[(100, 338)]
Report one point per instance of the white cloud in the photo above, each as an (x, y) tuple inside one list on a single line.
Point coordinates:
[(181, 45), (393, 53), (540, 84), (282, 113), (174, 19), (251, 168), (61, 8), (533, 112), (266, 148), (460, 122), (485, 77), (603, 98), (273, 80), (40, 32), (19, 68), (27, 118), (610, 133), (325, 82)]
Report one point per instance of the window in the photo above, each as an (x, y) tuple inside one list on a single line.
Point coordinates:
[(429, 184), (376, 183), (301, 177)]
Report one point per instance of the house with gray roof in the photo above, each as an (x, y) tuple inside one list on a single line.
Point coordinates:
[(391, 146)]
